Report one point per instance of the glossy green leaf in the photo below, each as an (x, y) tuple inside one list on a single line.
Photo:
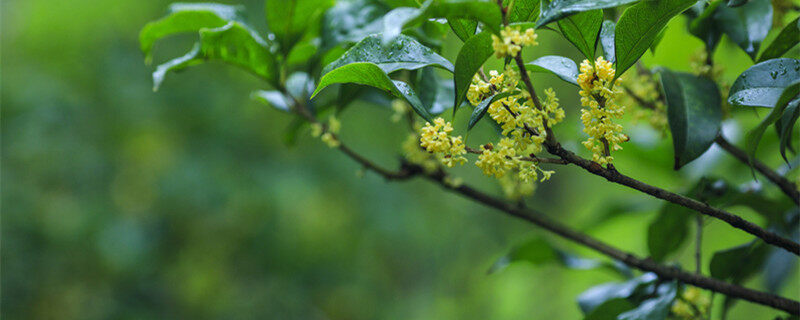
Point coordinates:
[(746, 25), (657, 40), (563, 67), (786, 39), (639, 26), (300, 85), (738, 263), (402, 53), (790, 98), (483, 11), (558, 9), (668, 231), (762, 84), (706, 28), (289, 19), (369, 74), (656, 308), (351, 21), (610, 309), (233, 43), (463, 28), (607, 40), (522, 10), (785, 128), (473, 54), (581, 30), (594, 297), (185, 17), (273, 98), (694, 113), (480, 109)]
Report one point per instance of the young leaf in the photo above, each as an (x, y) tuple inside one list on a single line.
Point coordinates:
[(402, 53), (638, 27), (558, 9), (581, 30), (289, 19), (746, 25), (790, 98), (607, 40), (564, 68), (788, 38), (694, 113), (233, 43), (473, 54), (185, 17), (480, 109), (369, 74), (273, 98), (762, 84)]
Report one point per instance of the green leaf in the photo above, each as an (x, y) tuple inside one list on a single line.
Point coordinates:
[(581, 30), (736, 3), (657, 40), (538, 251), (185, 17), (746, 25), (762, 84), (790, 98), (668, 231), (596, 296), (273, 98), (694, 112), (463, 28), (558, 9), (351, 21), (607, 40), (785, 127), (487, 12), (369, 74), (473, 54), (738, 263), (402, 53), (639, 26), (300, 85), (289, 19), (233, 43), (706, 28), (480, 109), (610, 309), (523, 10), (563, 67), (786, 39), (656, 308)]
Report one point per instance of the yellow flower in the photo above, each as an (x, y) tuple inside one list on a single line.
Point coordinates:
[(596, 82), (417, 155), (435, 138), (511, 41), (330, 140)]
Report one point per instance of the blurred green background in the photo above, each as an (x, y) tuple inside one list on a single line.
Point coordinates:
[(123, 203)]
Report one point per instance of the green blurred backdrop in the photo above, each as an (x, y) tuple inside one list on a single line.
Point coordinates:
[(122, 203)]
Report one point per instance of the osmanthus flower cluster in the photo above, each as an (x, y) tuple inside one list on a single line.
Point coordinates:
[(650, 105), (436, 138), (599, 96), (327, 136), (512, 41)]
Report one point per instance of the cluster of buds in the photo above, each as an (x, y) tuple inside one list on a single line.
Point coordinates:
[(598, 97), (327, 136)]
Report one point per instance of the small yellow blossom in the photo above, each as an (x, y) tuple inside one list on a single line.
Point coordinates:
[(436, 138), (316, 130), (453, 182), (330, 140), (692, 304), (334, 124), (596, 82), (512, 41), (644, 87), (515, 188), (417, 155)]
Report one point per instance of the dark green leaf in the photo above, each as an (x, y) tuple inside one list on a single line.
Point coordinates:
[(778, 267), (785, 127), (185, 17), (369, 74), (463, 28), (736, 3), (473, 54), (289, 19), (351, 21), (668, 231), (746, 25), (639, 26), (762, 84), (656, 308), (300, 85), (738, 263), (790, 98), (694, 112), (607, 40), (610, 309), (480, 109), (233, 43), (595, 296), (564, 68), (788, 38), (483, 11), (581, 30), (523, 10), (657, 40), (558, 9), (706, 28), (273, 98), (402, 53)]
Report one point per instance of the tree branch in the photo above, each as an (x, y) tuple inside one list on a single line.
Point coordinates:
[(788, 187)]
